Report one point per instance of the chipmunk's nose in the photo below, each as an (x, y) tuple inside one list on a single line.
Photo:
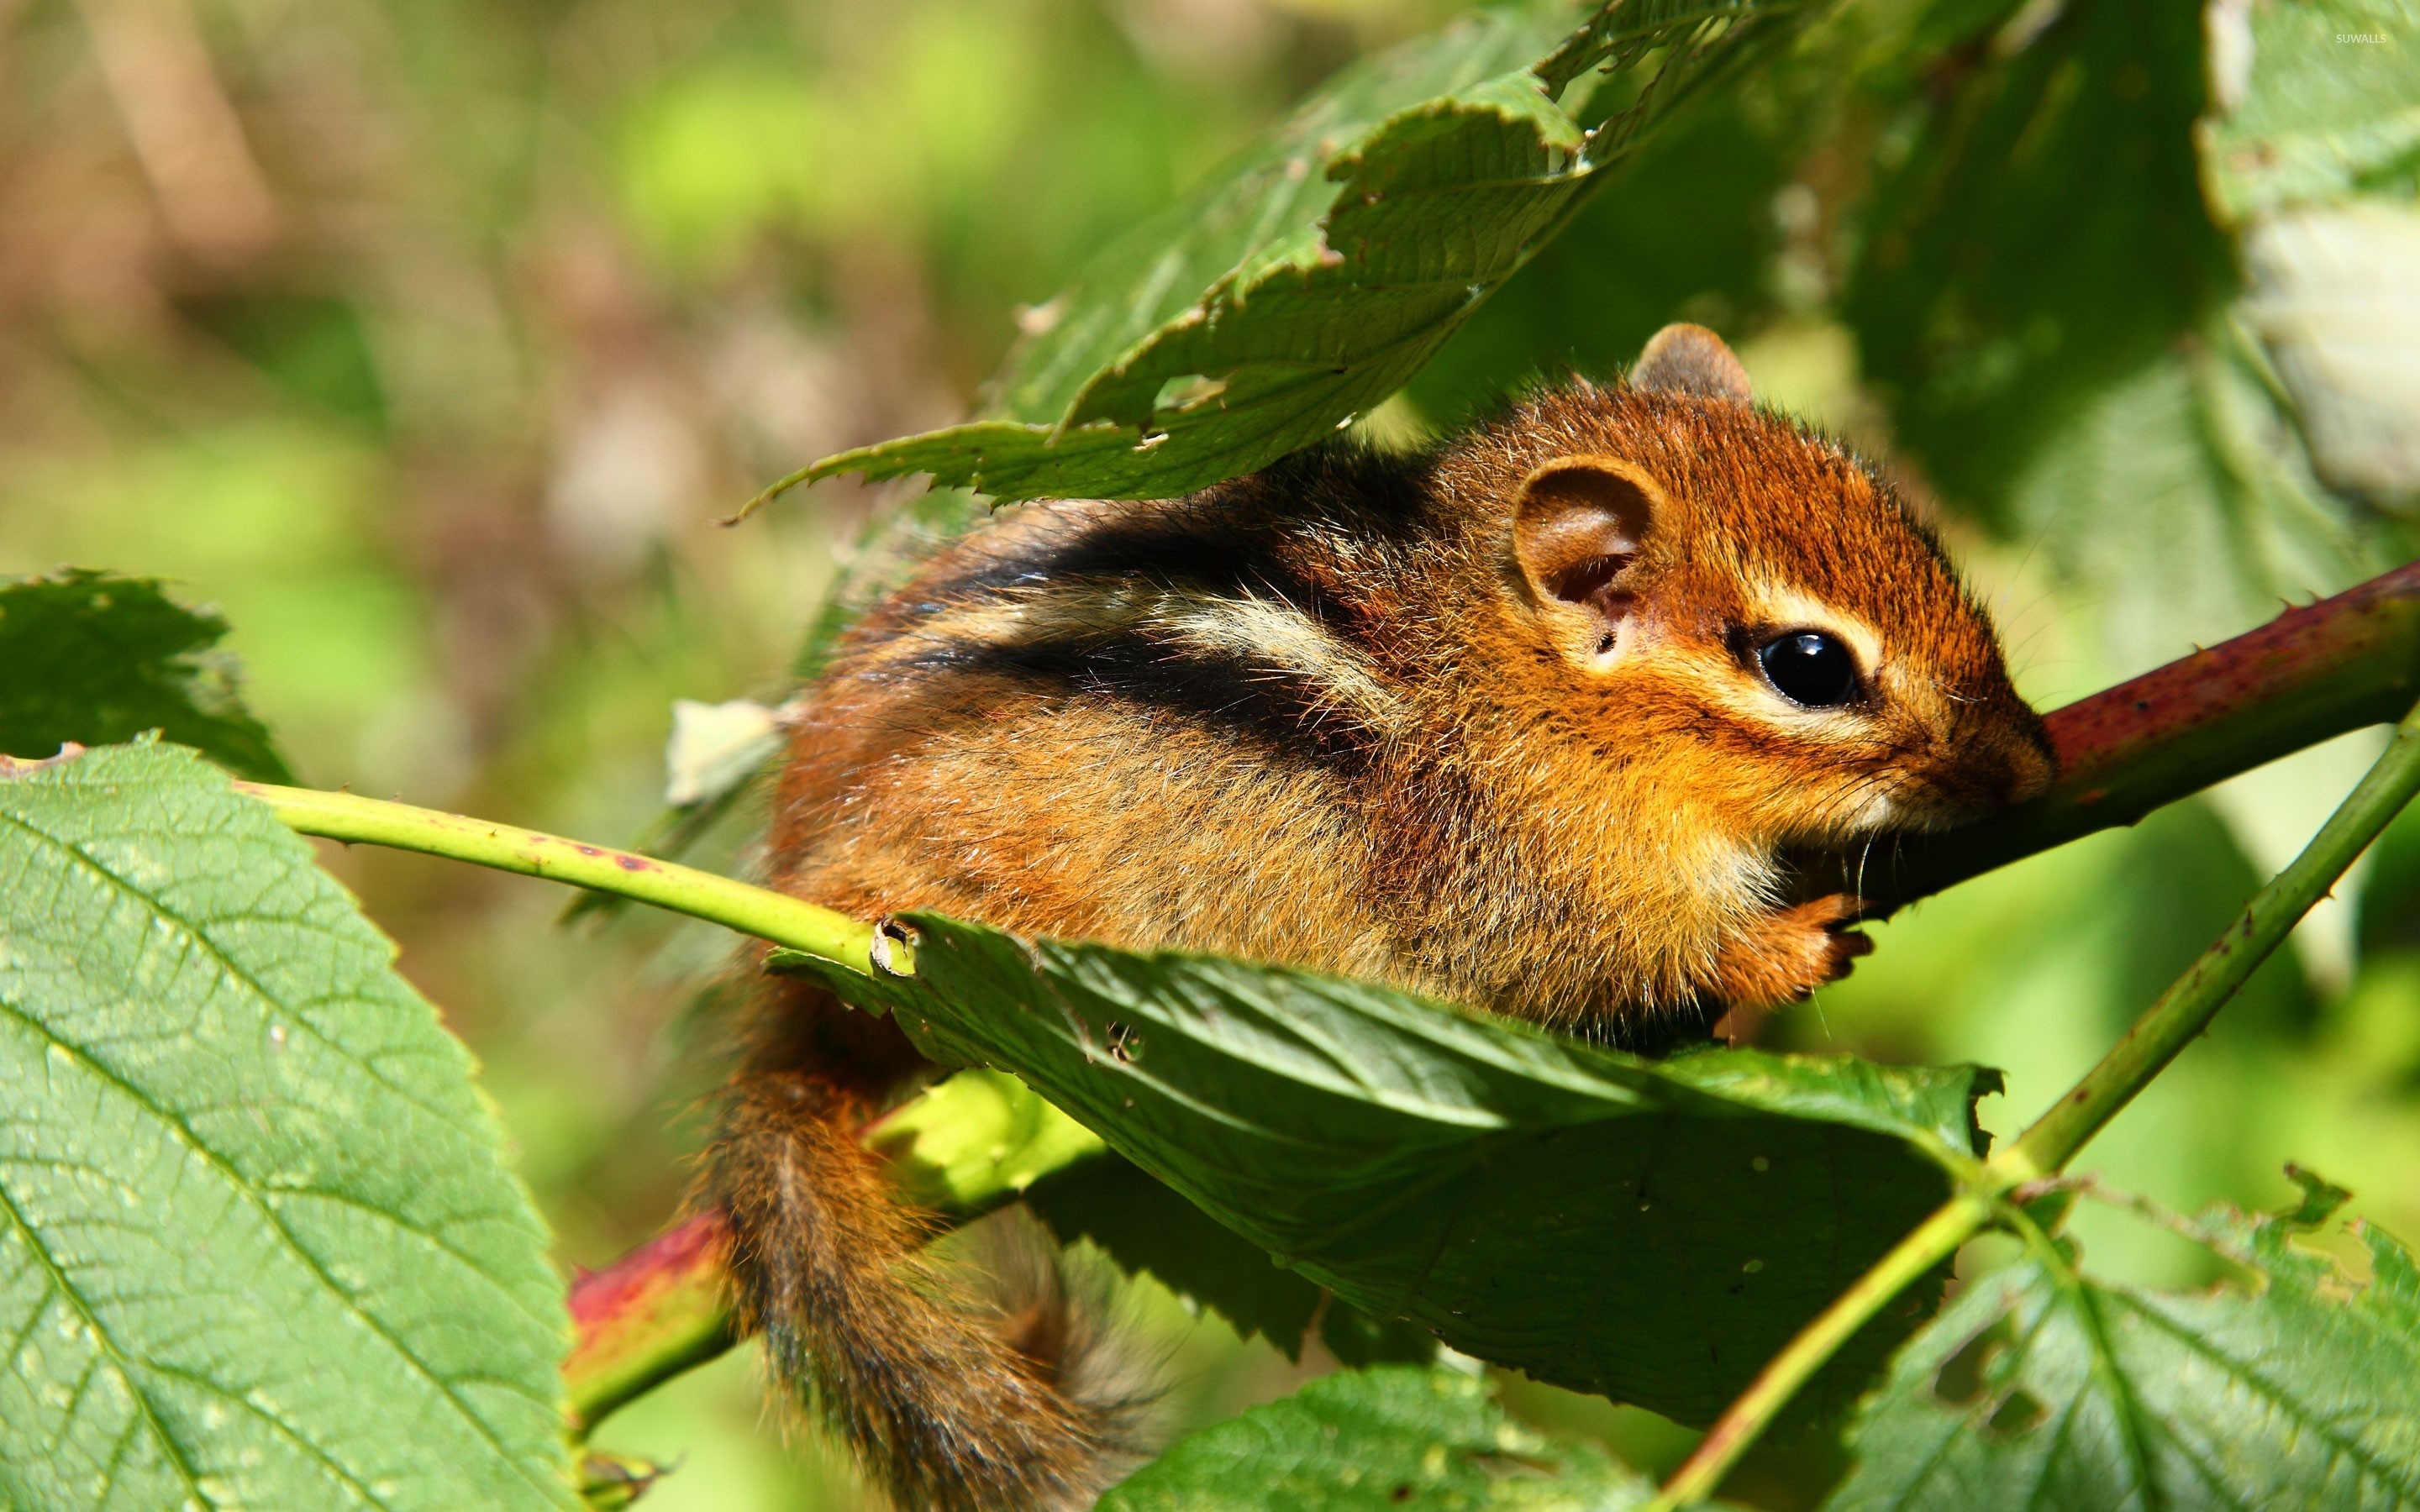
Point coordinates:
[(2032, 766)]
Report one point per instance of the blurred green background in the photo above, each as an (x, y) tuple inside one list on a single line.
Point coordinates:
[(428, 340)]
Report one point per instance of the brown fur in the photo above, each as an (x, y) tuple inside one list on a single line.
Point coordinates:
[(1484, 724)]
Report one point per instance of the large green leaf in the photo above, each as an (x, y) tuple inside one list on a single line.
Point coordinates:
[(2321, 101), (93, 658), (1315, 274), (257, 1245), (1630, 263), (1648, 1232), (2182, 501), (2038, 232), (1378, 1441), (2042, 1387)]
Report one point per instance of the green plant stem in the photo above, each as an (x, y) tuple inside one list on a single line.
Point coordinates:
[(758, 911), (2155, 1039), (1932, 1242), (2187, 1006)]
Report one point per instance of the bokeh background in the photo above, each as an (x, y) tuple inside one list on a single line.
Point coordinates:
[(428, 340)]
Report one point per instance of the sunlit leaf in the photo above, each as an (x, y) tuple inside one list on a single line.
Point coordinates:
[(1316, 273), (257, 1245)]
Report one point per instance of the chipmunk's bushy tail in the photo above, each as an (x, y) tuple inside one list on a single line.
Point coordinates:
[(952, 1402)]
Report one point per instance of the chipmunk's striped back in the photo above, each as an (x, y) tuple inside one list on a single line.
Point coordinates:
[(1252, 609)]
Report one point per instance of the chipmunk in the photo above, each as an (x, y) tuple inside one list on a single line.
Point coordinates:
[(1523, 722)]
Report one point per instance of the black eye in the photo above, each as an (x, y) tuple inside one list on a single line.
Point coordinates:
[(1811, 667)]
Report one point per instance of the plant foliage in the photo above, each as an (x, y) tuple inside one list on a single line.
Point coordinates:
[(1381, 1440), (2294, 1385), (94, 658), (1315, 274), (258, 1243)]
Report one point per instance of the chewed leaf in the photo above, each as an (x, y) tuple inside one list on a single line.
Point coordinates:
[(1651, 1231), (2040, 1386), (88, 657), (1315, 274), (1381, 1440), (258, 1243)]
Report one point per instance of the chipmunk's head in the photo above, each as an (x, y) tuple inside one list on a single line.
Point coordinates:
[(1711, 586)]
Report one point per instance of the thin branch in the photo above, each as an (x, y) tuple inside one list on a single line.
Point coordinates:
[(759, 911), (2044, 1150), (661, 1309), (2188, 1006)]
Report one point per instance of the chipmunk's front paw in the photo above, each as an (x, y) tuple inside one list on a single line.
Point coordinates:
[(1786, 955)]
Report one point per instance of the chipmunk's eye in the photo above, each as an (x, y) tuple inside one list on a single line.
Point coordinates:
[(1810, 667)]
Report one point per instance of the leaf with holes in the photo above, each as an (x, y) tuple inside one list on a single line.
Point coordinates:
[(258, 1243), (1381, 1441), (1315, 274), (93, 658), (1649, 1231), (2040, 1386)]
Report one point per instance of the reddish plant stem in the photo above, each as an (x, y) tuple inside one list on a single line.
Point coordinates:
[(657, 1311)]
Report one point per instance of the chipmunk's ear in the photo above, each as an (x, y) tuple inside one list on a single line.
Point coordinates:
[(1579, 522), (1691, 360)]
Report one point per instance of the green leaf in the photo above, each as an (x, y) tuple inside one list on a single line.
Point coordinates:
[(2037, 233), (1315, 274), (1627, 265), (2183, 501), (2322, 101), (2040, 1386), (1146, 1228), (1648, 1232), (96, 660), (1381, 1440), (258, 1243)]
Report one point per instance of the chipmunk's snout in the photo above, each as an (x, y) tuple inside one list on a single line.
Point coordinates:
[(2033, 767), (1978, 765), (2003, 763)]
